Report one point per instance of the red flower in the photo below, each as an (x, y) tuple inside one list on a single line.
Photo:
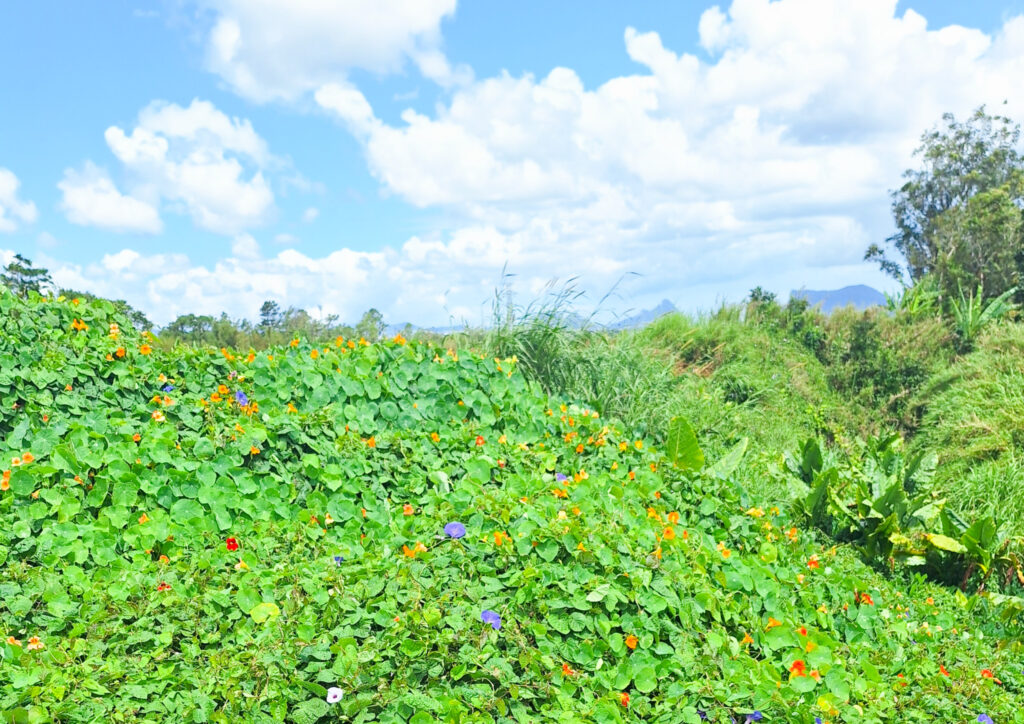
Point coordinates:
[(798, 668), (865, 598), (813, 562), (568, 670), (942, 670), (232, 544), (480, 440), (987, 673), (163, 587), (624, 698)]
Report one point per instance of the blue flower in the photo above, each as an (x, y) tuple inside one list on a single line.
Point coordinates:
[(560, 478), (492, 618), (755, 716), (241, 399), (984, 719), (168, 388), (338, 560), (455, 530), (817, 720), (702, 714)]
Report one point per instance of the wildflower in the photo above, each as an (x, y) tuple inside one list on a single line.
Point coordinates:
[(502, 440), (164, 560), (241, 565), (435, 437), (136, 437), (500, 537), (798, 668), (802, 631), (624, 698), (163, 587), (231, 544), (942, 670), (755, 716), (755, 513), (480, 440), (632, 641), (639, 444), (492, 618), (568, 670), (253, 450), (241, 398), (158, 416), (455, 530), (984, 719), (291, 408), (143, 519), (559, 493), (145, 349), (15, 462), (866, 598), (338, 560), (34, 644), (371, 442), (813, 562), (772, 623), (669, 533), (328, 519), (215, 397), (13, 641), (746, 639), (792, 534), (407, 509), (334, 695), (314, 354), (987, 673), (673, 517), (559, 478)]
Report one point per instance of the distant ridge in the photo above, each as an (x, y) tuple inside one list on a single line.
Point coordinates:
[(860, 296), (645, 317)]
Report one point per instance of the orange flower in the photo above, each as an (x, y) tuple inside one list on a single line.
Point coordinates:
[(34, 644), (632, 641), (802, 631), (798, 668), (13, 641), (866, 598), (253, 450), (791, 534), (164, 560), (559, 493), (942, 670), (772, 623), (480, 440), (136, 437), (435, 437), (15, 462), (632, 475), (5, 482), (158, 416), (652, 513), (815, 675), (145, 349), (294, 343), (79, 326), (371, 442), (673, 517), (222, 389), (215, 397), (143, 519), (27, 458), (669, 533), (624, 699), (568, 670), (500, 538), (407, 509), (163, 587), (291, 408), (314, 354), (746, 639), (813, 562), (987, 673)]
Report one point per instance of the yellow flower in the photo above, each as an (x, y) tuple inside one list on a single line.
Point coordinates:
[(158, 416)]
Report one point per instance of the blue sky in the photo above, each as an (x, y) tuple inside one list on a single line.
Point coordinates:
[(707, 150)]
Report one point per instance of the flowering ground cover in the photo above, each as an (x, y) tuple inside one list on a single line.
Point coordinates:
[(402, 533)]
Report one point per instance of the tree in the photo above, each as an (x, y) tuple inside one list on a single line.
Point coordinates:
[(22, 277), (371, 325), (271, 316), (942, 213)]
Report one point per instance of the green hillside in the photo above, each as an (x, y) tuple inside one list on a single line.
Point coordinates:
[(193, 534)]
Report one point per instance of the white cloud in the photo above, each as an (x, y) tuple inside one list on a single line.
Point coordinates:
[(310, 214), (89, 198), (278, 50), (193, 160), (245, 247), (286, 239), (13, 209)]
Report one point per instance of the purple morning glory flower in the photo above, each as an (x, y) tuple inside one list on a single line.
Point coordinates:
[(338, 560), (984, 719), (702, 714), (241, 399), (755, 716), (455, 530), (168, 388), (560, 478), (492, 618)]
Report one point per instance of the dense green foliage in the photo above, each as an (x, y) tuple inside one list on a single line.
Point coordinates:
[(125, 598)]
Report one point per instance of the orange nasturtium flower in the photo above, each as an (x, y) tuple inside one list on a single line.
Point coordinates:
[(799, 668), (772, 623), (435, 437), (568, 670), (79, 326), (158, 416), (669, 533), (371, 441), (673, 517), (813, 562), (291, 408), (987, 673), (253, 450), (314, 354), (145, 349), (407, 509), (34, 644), (746, 639), (27, 458), (143, 519), (632, 641), (559, 493)]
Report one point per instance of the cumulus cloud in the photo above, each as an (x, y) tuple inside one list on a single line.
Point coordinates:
[(277, 50), (764, 158), (12, 208), (193, 160), (90, 198)]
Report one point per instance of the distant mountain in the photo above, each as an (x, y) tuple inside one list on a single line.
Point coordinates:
[(859, 295), (645, 317)]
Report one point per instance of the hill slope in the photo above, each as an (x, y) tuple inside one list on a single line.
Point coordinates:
[(212, 535)]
